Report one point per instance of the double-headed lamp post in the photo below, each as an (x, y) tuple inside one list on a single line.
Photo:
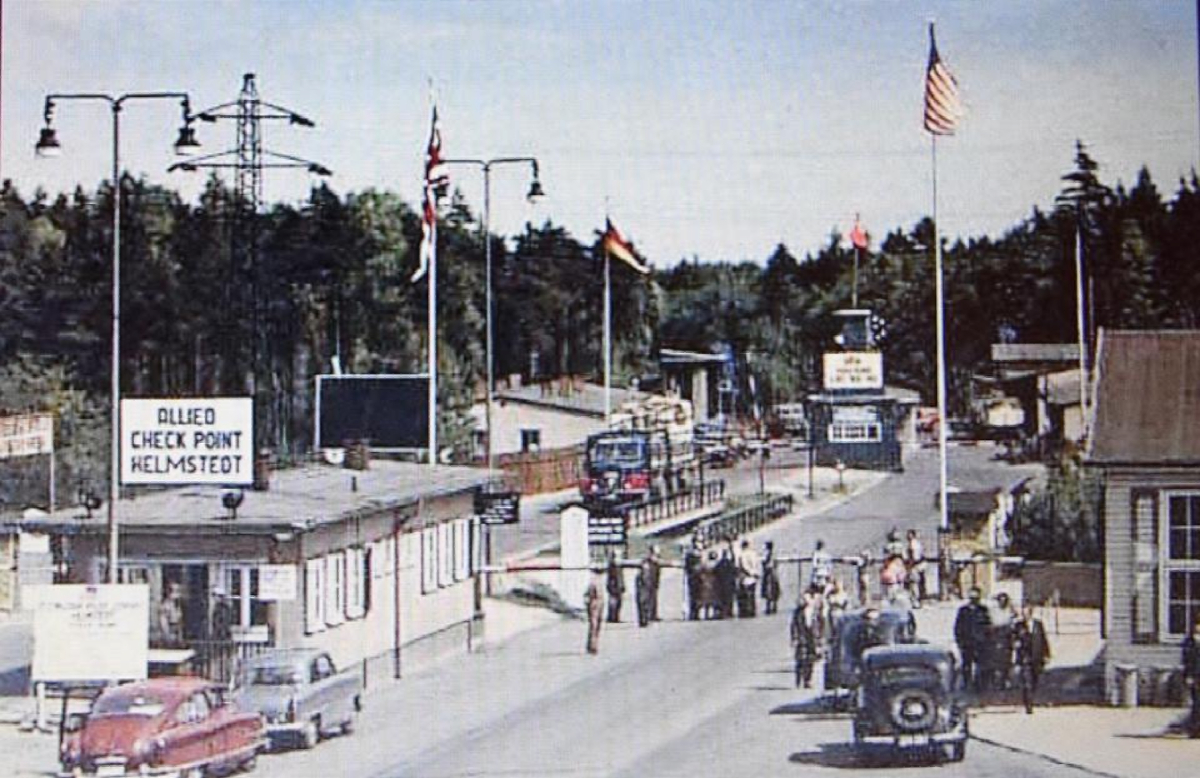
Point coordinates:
[(48, 146), (534, 194)]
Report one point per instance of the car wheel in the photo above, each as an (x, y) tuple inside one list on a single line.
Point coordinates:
[(249, 763), (192, 772), (311, 734)]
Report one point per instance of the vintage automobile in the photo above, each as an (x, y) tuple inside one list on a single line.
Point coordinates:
[(300, 694), (858, 630), (907, 698), (164, 726)]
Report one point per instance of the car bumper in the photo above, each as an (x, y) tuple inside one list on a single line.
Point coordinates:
[(915, 739)]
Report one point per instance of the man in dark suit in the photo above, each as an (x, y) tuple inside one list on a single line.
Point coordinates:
[(615, 584), (970, 631), (1031, 651)]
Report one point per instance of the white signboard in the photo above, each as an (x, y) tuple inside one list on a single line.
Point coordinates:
[(90, 633), (187, 441), (854, 370), (277, 582), (27, 435)]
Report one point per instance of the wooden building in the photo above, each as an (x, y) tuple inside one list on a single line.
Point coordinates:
[(1145, 447)]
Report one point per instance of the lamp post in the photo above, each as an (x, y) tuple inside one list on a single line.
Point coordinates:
[(535, 192), (48, 146)]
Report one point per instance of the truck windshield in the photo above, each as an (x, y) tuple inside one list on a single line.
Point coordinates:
[(616, 452)]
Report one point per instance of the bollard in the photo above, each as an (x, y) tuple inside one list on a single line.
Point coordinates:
[(1125, 691)]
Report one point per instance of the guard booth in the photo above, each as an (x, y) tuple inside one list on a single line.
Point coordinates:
[(855, 421)]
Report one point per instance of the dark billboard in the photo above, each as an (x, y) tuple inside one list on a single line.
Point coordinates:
[(388, 411)]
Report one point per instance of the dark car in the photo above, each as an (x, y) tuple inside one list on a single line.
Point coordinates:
[(858, 630), (907, 698), (164, 726)]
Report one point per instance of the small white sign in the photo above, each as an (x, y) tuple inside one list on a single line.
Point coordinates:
[(90, 633), (187, 441), (277, 582), (26, 435), (854, 370), (34, 543)]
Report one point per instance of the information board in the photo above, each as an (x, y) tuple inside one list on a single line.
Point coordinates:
[(89, 633), (390, 412), (498, 507), (606, 530), (277, 582), (853, 370), (26, 435), (175, 441)]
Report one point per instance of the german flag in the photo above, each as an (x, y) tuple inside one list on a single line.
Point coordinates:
[(616, 245)]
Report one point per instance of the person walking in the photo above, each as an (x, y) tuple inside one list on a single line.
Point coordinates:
[(692, 570), (615, 585), (804, 639), (822, 567), (970, 627), (726, 574), (862, 564), (749, 565), (595, 606), (655, 576), (914, 559), (770, 580), (643, 588), (1191, 676), (1031, 650)]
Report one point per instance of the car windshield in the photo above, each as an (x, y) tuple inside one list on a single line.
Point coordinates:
[(273, 675), (907, 676), (128, 705), (620, 451)]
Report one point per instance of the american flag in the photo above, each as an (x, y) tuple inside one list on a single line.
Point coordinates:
[(943, 108), (436, 182)]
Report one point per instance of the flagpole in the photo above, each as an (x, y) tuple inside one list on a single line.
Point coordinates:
[(432, 365), (1079, 320), (941, 348), (854, 290), (607, 341)]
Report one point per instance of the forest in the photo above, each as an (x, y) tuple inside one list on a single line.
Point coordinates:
[(205, 314)]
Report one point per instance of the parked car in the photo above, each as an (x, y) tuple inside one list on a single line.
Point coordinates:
[(907, 698), (856, 631), (300, 694), (176, 726)]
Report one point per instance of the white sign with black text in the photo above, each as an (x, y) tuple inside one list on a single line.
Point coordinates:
[(26, 435), (187, 441), (277, 582), (90, 633), (854, 370)]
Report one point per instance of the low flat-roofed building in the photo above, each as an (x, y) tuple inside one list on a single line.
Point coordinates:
[(1145, 448), (376, 566)]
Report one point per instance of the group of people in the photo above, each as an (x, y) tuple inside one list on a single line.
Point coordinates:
[(997, 646), (725, 578), (649, 573)]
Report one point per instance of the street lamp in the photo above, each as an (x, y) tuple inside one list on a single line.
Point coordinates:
[(48, 146), (535, 193)]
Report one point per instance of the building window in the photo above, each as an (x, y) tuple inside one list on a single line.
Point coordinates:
[(1144, 531), (855, 432), (314, 595), (335, 588), (429, 560), (531, 440), (241, 586), (1181, 563)]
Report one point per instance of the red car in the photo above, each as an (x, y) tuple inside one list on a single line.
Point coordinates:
[(164, 726)]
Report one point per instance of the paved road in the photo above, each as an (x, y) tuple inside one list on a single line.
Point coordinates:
[(680, 698)]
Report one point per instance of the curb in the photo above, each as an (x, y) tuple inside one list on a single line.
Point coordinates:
[(1044, 757)]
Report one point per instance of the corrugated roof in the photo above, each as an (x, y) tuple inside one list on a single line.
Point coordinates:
[(298, 498), (1035, 352), (1147, 408), (586, 399)]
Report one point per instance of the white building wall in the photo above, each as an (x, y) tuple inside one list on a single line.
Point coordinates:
[(559, 429)]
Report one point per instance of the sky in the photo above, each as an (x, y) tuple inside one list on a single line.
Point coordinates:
[(704, 129)]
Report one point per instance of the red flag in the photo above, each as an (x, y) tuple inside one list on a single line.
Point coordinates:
[(435, 185), (859, 237), (616, 244)]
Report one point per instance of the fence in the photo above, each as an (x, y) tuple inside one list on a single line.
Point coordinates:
[(542, 471), (739, 520), (659, 508), (218, 660)]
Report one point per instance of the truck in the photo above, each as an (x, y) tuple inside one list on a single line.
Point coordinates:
[(647, 452)]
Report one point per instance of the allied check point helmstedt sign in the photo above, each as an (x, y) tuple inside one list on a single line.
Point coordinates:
[(187, 441)]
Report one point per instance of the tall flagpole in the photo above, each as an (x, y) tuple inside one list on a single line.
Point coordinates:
[(607, 340), (1079, 320), (941, 348), (432, 366)]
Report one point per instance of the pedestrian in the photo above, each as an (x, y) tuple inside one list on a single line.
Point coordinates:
[(615, 585), (655, 576), (997, 659), (170, 616), (770, 580), (862, 573), (710, 598), (643, 587), (595, 607), (894, 546), (822, 566), (1031, 650), (891, 577), (692, 571), (804, 639), (726, 574), (1191, 676), (749, 565), (970, 627), (914, 558)]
